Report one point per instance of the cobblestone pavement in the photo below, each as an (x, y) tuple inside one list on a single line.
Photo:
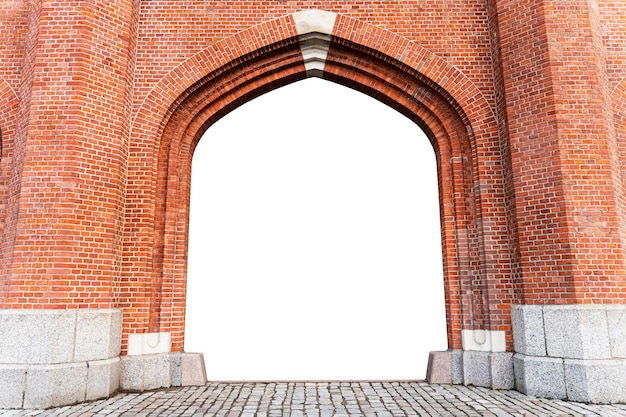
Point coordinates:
[(300, 399)]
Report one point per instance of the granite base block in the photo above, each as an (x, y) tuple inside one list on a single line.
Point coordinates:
[(193, 370), (456, 357), (45, 386), (476, 368), (528, 330), (161, 370), (577, 332), (37, 336), (55, 385), (176, 369), (501, 366), (103, 378), (45, 337), (145, 372), (12, 381), (596, 381), (540, 376), (616, 320), (439, 369), (98, 335)]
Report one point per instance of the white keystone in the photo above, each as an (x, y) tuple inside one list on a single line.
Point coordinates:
[(320, 21), (314, 28)]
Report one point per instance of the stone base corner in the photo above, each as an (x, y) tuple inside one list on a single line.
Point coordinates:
[(571, 352), (193, 371), (439, 369), (52, 358), (162, 370), (484, 369)]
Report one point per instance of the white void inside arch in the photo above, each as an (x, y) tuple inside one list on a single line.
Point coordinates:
[(314, 242)]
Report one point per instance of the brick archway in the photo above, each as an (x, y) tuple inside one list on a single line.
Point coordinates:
[(401, 74), (103, 102)]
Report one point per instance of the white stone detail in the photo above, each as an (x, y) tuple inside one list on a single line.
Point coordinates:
[(315, 28), (308, 21), (314, 48), (484, 340), (149, 343)]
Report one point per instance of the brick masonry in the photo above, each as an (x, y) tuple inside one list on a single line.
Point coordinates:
[(103, 102)]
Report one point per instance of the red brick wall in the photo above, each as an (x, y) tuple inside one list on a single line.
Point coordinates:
[(13, 31), (102, 103), (563, 149), (72, 164), (613, 33), (613, 30)]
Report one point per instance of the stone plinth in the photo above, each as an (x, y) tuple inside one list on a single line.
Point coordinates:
[(51, 358), (162, 370), (573, 352)]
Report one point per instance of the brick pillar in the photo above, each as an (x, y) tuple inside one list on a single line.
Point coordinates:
[(567, 187), (60, 340)]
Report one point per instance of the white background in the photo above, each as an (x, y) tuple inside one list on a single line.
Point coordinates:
[(314, 246)]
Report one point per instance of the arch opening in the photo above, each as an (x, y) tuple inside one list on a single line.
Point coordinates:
[(425, 89), (332, 267)]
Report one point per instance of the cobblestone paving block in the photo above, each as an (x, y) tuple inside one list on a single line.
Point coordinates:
[(326, 399)]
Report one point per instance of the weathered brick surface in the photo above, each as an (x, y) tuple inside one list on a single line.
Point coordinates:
[(564, 153), (102, 103)]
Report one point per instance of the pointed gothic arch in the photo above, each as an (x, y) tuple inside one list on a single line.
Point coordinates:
[(455, 116)]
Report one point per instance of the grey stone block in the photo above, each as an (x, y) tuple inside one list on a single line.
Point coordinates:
[(193, 369), (576, 332), (55, 385), (539, 376), (502, 376), (157, 371), (528, 331), (52, 350), (477, 368), (12, 381), (37, 336), (146, 372), (103, 378), (131, 377), (576, 381), (457, 367), (594, 332), (616, 321), (596, 381), (98, 334), (176, 369), (439, 369), (562, 333)]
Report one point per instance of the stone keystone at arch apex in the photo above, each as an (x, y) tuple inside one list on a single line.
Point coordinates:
[(102, 104)]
